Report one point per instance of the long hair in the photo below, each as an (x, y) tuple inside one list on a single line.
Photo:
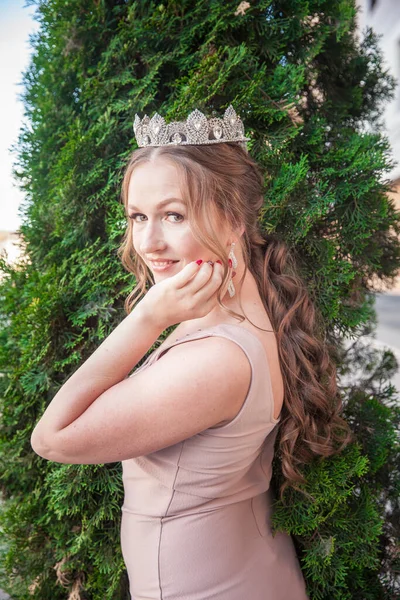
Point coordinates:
[(223, 181)]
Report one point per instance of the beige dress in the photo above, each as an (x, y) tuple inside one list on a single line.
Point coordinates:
[(196, 515)]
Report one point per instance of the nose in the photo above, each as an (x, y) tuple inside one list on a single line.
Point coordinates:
[(151, 240)]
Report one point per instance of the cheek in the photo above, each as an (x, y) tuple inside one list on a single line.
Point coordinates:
[(133, 239), (185, 236), (189, 247)]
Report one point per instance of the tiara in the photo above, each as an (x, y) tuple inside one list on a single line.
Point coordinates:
[(196, 130)]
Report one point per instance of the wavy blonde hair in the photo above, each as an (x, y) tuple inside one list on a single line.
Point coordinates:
[(223, 181)]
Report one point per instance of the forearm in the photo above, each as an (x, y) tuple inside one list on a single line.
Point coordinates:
[(111, 362)]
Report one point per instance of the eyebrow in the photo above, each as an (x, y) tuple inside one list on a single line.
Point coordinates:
[(162, 203)]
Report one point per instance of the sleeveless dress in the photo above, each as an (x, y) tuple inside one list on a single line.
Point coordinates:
[(196, 515)]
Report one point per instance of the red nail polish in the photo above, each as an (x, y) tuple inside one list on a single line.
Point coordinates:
[(219, 262), (199, 261), (230, 262)]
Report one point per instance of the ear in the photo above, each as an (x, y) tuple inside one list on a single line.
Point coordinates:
[(235, 234), (240, 232)]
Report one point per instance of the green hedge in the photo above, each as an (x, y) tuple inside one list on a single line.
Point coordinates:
[(311, 95)]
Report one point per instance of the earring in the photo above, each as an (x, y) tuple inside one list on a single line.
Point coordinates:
[(231, 287)]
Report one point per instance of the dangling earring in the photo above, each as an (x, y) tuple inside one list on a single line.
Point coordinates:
[(231, 287)]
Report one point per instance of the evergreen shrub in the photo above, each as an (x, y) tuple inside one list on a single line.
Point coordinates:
[(310, 93)]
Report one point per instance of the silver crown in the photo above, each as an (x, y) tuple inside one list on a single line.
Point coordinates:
[(196, 130)]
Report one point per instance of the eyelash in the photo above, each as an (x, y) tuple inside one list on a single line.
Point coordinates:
[(134, 215)]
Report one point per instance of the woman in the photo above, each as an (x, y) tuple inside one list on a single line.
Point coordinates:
[(195, 425)]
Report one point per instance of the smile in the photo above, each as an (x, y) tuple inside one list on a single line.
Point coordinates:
[(162, 266)]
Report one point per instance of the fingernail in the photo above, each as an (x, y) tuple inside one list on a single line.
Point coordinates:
[(210, 262), (219, 262), (234, 273), (230, 262), (199, 261)]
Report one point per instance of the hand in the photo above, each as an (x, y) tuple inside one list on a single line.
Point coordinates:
[(190, 294)]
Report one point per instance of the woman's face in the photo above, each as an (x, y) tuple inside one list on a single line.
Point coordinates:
[(161, 230)]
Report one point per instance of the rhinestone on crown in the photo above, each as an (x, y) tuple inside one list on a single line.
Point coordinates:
[(197, 129)]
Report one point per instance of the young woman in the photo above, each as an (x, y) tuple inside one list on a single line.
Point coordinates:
[(195, 425)]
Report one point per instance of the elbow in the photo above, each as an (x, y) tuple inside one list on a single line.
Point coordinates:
[(45, 450), (38, 446)]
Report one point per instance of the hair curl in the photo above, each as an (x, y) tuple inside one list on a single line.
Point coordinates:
[(229, 181)]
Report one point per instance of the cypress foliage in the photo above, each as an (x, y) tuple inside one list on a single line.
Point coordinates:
[(310, 95)]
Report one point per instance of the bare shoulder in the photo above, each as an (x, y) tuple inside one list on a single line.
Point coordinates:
[(221, 359), (193, 386)]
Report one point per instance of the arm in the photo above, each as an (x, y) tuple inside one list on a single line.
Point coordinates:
[(111, 362), (189, 294), (195, 385)]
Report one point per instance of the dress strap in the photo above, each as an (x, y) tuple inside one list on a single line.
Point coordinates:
[(206, 332)]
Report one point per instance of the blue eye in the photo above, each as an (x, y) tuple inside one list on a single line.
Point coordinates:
[(134, 215)]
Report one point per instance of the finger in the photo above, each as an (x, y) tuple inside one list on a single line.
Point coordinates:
[(199, 282), (202, 278), (207, 287), (223, 286), (188, 271)]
